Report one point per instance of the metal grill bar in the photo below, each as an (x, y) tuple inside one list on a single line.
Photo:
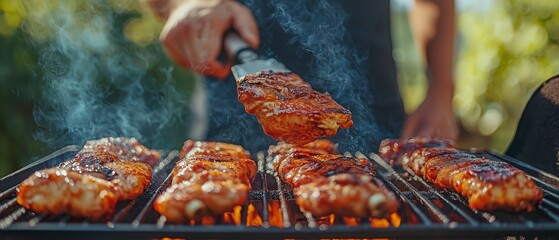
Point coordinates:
[(548, 211), (6, 194), (441, 216), (162, 170), (261, 160), (454, 206), (283, 204)]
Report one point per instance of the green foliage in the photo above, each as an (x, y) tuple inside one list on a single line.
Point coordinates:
[(25, 34), (17, 96), (504, 53)]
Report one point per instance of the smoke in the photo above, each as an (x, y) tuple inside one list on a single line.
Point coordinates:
[(325, 57), (97, 84)]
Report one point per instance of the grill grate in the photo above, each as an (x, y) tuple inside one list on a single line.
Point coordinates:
[(271, 211)]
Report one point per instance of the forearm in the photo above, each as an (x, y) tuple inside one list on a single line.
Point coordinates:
[(433, 26)]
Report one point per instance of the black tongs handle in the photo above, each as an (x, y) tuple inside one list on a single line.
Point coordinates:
[(237, 49)]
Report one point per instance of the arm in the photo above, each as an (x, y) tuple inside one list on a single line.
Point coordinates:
[(193, 31), (433, 27)]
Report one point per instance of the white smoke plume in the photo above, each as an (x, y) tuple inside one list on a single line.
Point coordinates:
[(98, 84)]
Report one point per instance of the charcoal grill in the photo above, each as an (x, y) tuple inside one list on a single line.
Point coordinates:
[(271, 213)]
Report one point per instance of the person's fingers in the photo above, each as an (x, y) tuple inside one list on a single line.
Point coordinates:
[(171, 37), (177, 53), (206, 48), (216, 69), (410, 127), (243, 21)]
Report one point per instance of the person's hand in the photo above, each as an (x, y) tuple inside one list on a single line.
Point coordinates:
[(434, 117), (193, 33)]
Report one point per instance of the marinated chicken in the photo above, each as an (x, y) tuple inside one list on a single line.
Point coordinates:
[(487, 184), (211, 178), (125, 148), (395, 149), (325, 182), (90, 184), (289, 109)]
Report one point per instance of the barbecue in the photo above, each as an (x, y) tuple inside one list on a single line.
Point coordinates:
[(271, 212)]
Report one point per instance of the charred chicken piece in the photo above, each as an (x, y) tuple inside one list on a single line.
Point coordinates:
[(90, 184), (325, 182), (317, 147), (198, 148), (127, 149), (497, 185), (417, 160), (289, 109), (57, 191), (395, 149), (355, 195), (130, 178), (211, 178), (282, 150), (487, 184), (300, 168)]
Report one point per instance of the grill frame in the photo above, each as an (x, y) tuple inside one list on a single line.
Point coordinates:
[(136, 219)]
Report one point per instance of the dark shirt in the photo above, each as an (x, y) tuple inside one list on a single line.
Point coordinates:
[(340, 47)]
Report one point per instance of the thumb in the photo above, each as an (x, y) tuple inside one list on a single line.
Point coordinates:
[(244, 23)]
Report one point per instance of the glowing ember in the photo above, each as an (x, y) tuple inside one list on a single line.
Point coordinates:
[(275, 217), (253, 217), (379, 223), (328, 220), (395, 219), (208, 220), (233, 217), (351, 221), (332, 219)]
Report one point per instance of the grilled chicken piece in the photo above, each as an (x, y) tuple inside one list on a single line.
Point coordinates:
[(130, 178), (88, 185), (325, 182), (289, 109), (395, 149), (128, 149), (497, 185), (488, 185), (282, 150), (210, 178), (417, 159), (56, 191), (355, 195), (197, 148), (300, 168), (320, 146)]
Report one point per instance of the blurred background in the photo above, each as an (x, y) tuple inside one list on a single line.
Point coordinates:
[(505, 49)]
